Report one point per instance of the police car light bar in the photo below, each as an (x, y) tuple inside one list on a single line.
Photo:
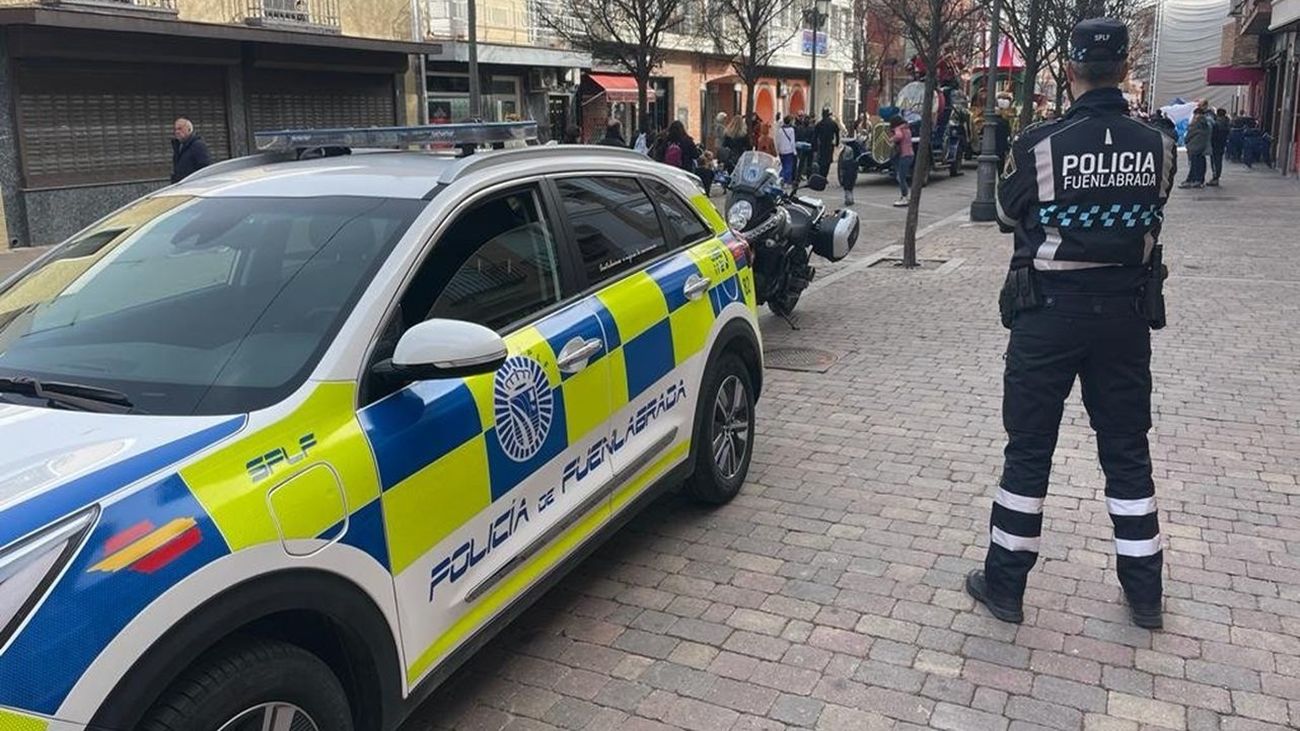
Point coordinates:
[(472, 133)]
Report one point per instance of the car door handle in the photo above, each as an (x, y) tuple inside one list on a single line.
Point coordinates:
[(575, 355), (695, 287)]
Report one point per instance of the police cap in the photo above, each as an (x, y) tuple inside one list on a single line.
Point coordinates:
[(1099, 39)]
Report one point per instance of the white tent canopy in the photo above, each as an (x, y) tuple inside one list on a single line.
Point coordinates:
[(1191, 34)]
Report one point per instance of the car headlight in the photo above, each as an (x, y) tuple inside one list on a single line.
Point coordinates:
[(29, 566), (739, 214)]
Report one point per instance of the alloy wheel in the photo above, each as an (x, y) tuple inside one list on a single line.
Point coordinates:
[(274, 716), (730, 427)]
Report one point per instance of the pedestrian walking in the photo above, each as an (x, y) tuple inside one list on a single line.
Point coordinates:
[(803, 135), (613, 135), (189, 152), (1219, 144), (826, 138), (1084, 197), (848, 171), (734, 143), (901, 135), (676, 148), (763, 141), (1198, 146), (786, 149)]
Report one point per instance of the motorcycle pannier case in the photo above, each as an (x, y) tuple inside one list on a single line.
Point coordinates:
[(836, 235)]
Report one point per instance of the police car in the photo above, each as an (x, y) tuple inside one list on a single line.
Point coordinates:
[(282, 444)]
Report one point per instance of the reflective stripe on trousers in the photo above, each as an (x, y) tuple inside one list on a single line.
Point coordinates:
[(1110, 355)]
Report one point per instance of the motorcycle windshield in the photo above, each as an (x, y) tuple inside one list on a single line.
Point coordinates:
[(756, 170)]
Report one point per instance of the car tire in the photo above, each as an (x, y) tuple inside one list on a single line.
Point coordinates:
[(234, 688), (724, 430)]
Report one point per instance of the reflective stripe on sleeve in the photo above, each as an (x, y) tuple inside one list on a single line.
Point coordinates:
[(1014, 542), (1046, 170), (1018, 503), (1137, 549), (1142, 506)]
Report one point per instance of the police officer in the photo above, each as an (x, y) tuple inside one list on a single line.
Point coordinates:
[(1084, 196)]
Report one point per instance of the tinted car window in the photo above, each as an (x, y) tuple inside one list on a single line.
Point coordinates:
[(198, 305), (504, 262), (678, 214), (614, 224)]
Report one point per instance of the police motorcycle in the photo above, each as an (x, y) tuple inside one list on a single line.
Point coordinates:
[(783, 228)]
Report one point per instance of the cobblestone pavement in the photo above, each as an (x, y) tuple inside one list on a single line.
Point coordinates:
[(828, 594)]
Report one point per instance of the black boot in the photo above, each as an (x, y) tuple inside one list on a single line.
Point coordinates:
[(978, 588), (1147, 617)]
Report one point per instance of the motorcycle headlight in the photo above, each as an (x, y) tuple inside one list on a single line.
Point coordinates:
[(29, 566), (739, 214)]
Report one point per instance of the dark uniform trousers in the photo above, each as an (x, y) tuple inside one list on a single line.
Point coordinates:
[(1106, 343)]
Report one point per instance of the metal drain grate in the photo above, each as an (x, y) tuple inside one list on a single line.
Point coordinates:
[(811, 360)]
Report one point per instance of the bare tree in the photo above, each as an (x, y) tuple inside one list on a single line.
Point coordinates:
[(626, 33), (874, 40), (932, 27), (1063, 15), (749, 33), (1028, 22)]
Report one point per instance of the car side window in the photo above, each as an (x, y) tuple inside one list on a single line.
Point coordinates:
[(495, 265), (678, 214), (614, 224)]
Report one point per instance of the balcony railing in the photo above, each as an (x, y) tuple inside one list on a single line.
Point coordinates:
[(317, 15), (504, 22), (163, 5)]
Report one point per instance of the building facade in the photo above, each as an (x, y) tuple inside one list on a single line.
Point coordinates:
[(1260, 62), (89, 91)]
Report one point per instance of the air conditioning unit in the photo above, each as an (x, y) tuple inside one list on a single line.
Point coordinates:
[(543, 78)]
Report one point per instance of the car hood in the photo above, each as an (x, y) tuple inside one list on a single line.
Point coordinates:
[(53, 462)]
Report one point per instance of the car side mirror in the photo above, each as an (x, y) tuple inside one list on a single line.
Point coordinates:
[(817, 182), (444, 349)]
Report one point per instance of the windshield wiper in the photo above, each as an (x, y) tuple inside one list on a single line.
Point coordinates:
[(74, 395)]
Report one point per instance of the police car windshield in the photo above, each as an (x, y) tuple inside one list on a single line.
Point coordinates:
[(197, 305)]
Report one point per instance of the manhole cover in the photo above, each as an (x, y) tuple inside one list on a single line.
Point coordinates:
[(800, 359)]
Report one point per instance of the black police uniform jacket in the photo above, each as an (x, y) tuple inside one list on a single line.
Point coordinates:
[(1085, 195)]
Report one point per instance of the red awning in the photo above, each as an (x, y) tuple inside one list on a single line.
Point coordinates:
[(616, 88), (1233, 75)]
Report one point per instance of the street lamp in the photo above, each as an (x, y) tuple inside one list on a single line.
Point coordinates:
[(984, 207), (815, 16)]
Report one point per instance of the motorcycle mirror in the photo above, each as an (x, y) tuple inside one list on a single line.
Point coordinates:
[(817, 182)]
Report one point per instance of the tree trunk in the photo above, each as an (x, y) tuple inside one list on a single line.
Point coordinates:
[(642, 106), (751, 86), (922, 162), (1033, 61)]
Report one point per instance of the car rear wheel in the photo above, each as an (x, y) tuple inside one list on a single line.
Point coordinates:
[(253, 685), (724, 432)]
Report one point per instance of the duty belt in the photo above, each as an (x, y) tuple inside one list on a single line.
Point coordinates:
[(1109, 305)]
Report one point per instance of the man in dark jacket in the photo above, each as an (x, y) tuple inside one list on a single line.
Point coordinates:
[(1219, 144), (1198, 146), (613, 135), (188, 151), (826, 137), (1084, 198)]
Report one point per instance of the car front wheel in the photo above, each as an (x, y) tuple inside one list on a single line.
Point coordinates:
[(253, 685), (724, 431)]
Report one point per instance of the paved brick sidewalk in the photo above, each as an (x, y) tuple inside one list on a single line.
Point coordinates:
[(829, 594)]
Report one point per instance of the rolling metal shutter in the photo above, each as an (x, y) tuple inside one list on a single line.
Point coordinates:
[(280, 99), (83, 123)]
